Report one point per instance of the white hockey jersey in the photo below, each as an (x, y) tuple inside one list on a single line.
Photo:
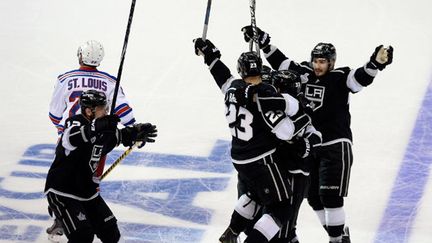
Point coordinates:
[(70, 85)]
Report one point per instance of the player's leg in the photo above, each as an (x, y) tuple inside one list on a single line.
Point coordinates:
[(335, 171), (102, 220), (273, 190), (269, 227), (299, 186), (242, 189), (300, 189), (56, 229), (242, 217), (313, 196), (72, 215)]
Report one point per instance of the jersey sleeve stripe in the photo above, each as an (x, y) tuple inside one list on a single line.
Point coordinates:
[(55, 120), (60, 129), (123, 112), (122, 108), (132, 121)]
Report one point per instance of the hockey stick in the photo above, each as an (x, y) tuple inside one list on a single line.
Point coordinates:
[(117, 86), (206, 20), (119, 159), (252, 7), (123, 54)]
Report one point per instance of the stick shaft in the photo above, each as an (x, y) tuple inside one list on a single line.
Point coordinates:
[(123, 54), (252, 7), (118, 160), (117, 86), (206, 20)]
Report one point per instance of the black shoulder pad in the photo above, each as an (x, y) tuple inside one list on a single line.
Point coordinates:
[(343, 69), (306, 63)]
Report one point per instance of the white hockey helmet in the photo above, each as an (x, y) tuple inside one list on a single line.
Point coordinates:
[(91, 53)]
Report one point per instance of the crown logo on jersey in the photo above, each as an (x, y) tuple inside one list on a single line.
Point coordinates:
[(81, 216)]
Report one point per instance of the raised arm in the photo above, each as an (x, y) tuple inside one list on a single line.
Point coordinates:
[(364, 76), (220, 72)]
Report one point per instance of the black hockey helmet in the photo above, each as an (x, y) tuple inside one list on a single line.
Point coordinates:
[(249, 64), (287, 82), (324, 50), (92, 98), (266, 74)]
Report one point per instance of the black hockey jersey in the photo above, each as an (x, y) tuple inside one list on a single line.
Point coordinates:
[(77, 158), (328, 94), (251, 136), (255, 128)]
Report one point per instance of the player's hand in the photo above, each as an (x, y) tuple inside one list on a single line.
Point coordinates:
[(305, 104), (300, 146), (382, 57), (140, 132), (207, 49), (105, 123), (146, 133), (262, 37)]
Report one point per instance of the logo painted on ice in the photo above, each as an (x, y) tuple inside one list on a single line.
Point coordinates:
[(177, 202)]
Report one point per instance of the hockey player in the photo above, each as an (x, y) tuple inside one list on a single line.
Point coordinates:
[(70, 85), (296, 158), (328, 89), (70, 187), (256, 130)]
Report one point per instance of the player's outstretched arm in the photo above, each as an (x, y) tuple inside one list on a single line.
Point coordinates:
[(211, 53), (364, 76), (140, 132)]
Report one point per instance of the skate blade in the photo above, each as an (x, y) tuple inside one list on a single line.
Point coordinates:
[(55, 238)]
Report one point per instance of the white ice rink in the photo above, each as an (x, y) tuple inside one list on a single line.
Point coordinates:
[(182, 188)]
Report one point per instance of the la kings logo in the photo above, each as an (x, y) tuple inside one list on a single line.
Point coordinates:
[(315, 94), (96, 155)]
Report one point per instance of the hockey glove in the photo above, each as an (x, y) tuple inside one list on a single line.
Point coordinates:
[(305, 104), (105, 124), (381, 57), (207, 49), (262, 38), (138, 133), (244, 96), (300, 147)]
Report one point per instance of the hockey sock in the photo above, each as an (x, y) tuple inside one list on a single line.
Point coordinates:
[(255, 237), (238, 223), (247, 207), (244, 212), (321, 217), (264, 230), (335, 221), (109, 234)]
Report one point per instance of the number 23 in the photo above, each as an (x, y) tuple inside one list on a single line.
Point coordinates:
[(243, 129)]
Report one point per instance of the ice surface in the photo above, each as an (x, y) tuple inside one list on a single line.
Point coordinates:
[(182, 188)]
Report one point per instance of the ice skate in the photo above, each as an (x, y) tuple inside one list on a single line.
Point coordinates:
[(346, 235), (229, 236), (55, 231)]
